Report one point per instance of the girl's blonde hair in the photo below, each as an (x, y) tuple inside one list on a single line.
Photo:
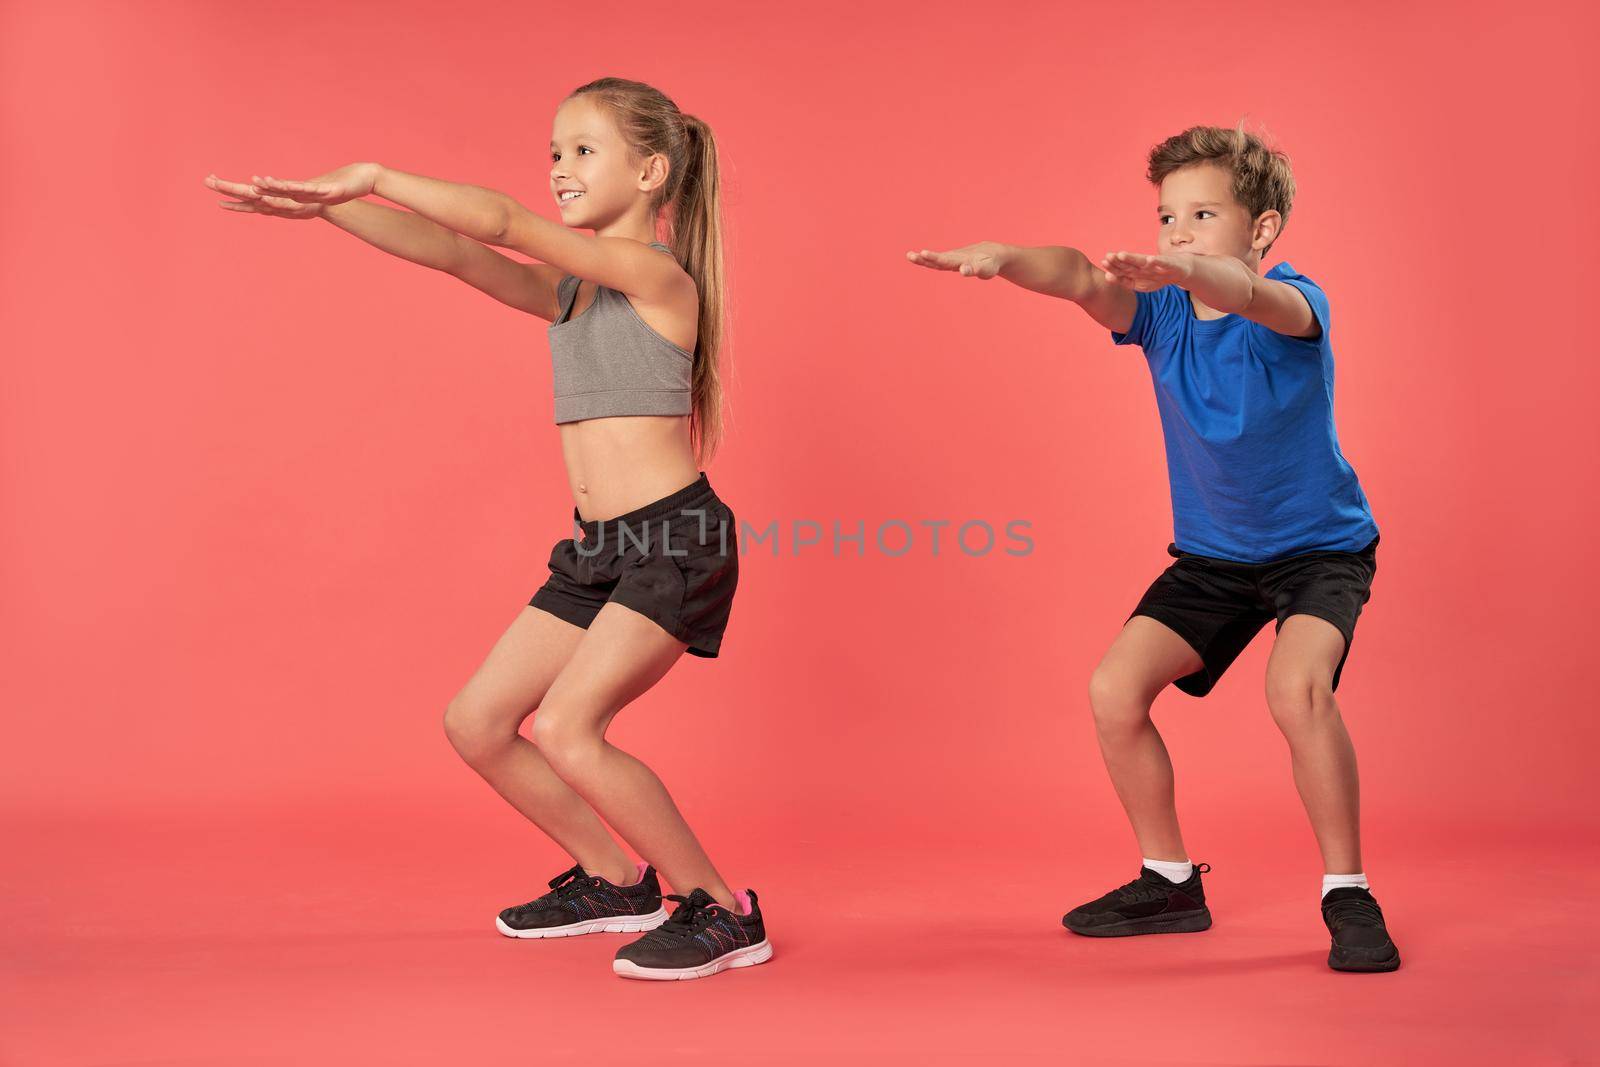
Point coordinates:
[(691, 198), (1262, 178)]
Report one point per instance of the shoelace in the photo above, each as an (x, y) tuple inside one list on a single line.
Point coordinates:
[(1134, 890), (1353, 911), (1144, 887), (694, 913), (563, 886)]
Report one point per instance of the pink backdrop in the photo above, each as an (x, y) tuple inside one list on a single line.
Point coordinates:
[(269, 495)]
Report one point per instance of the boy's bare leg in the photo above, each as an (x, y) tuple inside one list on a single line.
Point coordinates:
[(1300, 695), (1142, 661)]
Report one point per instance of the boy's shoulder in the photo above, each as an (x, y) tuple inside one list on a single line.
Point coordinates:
[(1314, 294), (1284, 271)]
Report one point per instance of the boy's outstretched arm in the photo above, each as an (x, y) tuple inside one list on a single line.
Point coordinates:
[(1053, 270), (1220, 282)]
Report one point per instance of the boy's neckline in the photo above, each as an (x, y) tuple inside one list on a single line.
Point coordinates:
[(1194, 316)]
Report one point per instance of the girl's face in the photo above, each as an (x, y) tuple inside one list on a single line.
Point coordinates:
[(590, 176)]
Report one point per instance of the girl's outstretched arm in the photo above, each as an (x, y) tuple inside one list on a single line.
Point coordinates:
[(529, 287), (497, 219)]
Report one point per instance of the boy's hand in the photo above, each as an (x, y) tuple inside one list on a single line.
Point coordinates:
[(253, 201), (982, 260), (1146, 273), (347, 183)]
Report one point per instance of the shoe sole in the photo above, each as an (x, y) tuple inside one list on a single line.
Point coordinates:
[(748, 956), (615, 924), (1361, 963), (1188, 922)]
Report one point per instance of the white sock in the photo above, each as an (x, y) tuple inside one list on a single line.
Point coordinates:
[(1171, 870), (1334, 881)]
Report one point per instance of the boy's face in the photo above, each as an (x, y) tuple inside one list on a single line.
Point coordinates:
[(1198, 215)]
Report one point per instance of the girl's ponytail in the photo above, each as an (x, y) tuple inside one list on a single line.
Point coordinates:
[(697, 242)]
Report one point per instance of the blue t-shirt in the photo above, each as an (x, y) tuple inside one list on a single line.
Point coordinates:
[(1247, 414)]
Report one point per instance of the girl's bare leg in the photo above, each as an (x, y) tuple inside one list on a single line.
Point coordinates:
[(621, 656), (482, 723)]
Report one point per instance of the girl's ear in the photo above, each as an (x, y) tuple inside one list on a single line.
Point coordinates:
[(654, 173)]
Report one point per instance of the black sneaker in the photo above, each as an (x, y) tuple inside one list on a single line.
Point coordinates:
[(584, 903), (698, 940), (1360, 940), (1150, 904)]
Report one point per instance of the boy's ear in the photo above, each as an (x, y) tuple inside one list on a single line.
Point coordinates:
[(1268, 225)]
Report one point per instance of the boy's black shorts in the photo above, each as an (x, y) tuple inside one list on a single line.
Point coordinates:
[(1219, 605), (674, 560)]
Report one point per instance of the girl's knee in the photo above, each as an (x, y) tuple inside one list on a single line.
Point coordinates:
[(476, 735), (565, 739)]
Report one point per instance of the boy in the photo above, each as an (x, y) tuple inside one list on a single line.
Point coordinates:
[(1269, 520)]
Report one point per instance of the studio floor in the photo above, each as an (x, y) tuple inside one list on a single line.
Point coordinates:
[(351, 935)]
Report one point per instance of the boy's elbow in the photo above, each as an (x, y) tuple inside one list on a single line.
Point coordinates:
[(1077, 278), (1053, 270), (1241, 304), (1239, 289)]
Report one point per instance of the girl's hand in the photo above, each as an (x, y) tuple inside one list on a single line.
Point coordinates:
[(336, 187), (1146, 273), (982, 260), (252, 201)]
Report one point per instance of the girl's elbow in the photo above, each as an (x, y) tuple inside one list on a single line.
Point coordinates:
[(499, 232), (501, 226)]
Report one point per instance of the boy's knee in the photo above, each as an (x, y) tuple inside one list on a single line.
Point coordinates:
[(1298, 699), (1116, 700)]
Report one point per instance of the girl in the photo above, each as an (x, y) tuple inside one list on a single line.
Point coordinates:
[(636, 329)]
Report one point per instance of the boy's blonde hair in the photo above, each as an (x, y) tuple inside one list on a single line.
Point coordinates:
[(1262, 178), (691, 200)]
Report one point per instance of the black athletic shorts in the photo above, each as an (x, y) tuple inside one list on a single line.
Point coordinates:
[(1219, 605), (675, 561)]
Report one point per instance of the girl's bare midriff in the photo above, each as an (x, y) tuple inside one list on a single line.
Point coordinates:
[(619, 464)]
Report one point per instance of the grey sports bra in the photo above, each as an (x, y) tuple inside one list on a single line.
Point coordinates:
[(608, 361)]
